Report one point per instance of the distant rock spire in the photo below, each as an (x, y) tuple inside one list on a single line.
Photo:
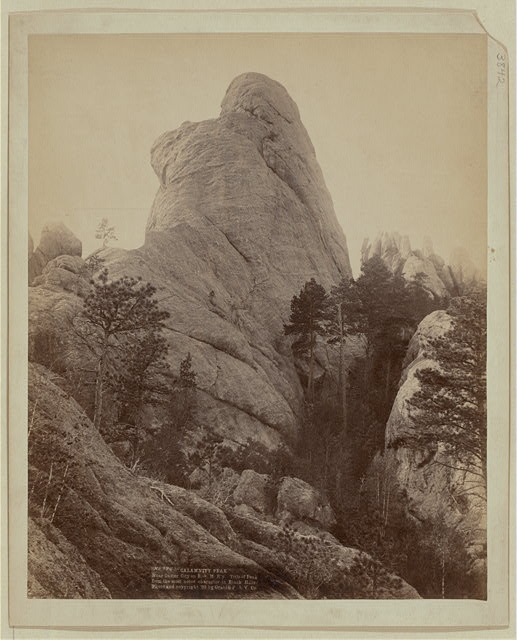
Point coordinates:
[(440, 280)]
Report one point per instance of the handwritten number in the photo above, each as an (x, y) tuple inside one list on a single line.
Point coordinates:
[(501, 69)]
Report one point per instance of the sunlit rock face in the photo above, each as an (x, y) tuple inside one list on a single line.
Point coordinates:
[(250, 186), (241, 220)]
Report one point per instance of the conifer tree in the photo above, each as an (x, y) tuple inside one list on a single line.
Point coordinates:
[(307, 321), (345, 318), (105, 233), (450, 406), (114, 317)]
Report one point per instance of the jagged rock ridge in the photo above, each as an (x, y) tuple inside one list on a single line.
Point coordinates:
[(440, 279)]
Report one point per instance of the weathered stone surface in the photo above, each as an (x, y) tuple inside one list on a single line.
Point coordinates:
[(110, 525), (118, 523), (262, 541), (51, 341), (297, 500), (64, 273), (400, 423), (205, 513), (241, 220), (254, 490), (55, 567), (73, 264), (429, 485), (56, 240)]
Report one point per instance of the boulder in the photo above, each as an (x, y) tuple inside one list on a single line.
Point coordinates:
[(65, 273), (297, 500), (57, 240), (254, 490)]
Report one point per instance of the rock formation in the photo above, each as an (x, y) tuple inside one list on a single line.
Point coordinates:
[(242, 218), (97, 529), (56, 240), (433, 491), (439, 279), (463, 270)]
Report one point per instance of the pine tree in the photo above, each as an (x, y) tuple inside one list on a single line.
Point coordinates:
[(451, 402), (105, 233), (187, 375), (345, 318), (114, 317), (137, 381), (307, 321)]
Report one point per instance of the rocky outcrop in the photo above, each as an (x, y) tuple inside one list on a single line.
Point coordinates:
[(434, 488), (96, 529), (463, 270), (297, 500), (65, 273), (56, 240), (310, 558), (114, 526), (401, 423), (241, 220), (439, 279), (254, 491)]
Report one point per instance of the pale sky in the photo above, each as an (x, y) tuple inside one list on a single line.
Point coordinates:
[(398, 123)]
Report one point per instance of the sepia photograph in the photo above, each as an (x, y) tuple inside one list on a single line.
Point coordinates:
[(261, 321), (257, 331)]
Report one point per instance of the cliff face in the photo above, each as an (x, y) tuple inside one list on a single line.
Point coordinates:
[(250, 181), (435, 489), (242, 218), (441, 280)]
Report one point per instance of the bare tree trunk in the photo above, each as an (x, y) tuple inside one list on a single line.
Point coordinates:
[(386, 513), (443, 573), (99, 385), (342, 387), (387, 386), (311, 370), (326, 464)]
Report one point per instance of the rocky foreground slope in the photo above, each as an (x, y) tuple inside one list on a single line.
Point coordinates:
[(97, 530)]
